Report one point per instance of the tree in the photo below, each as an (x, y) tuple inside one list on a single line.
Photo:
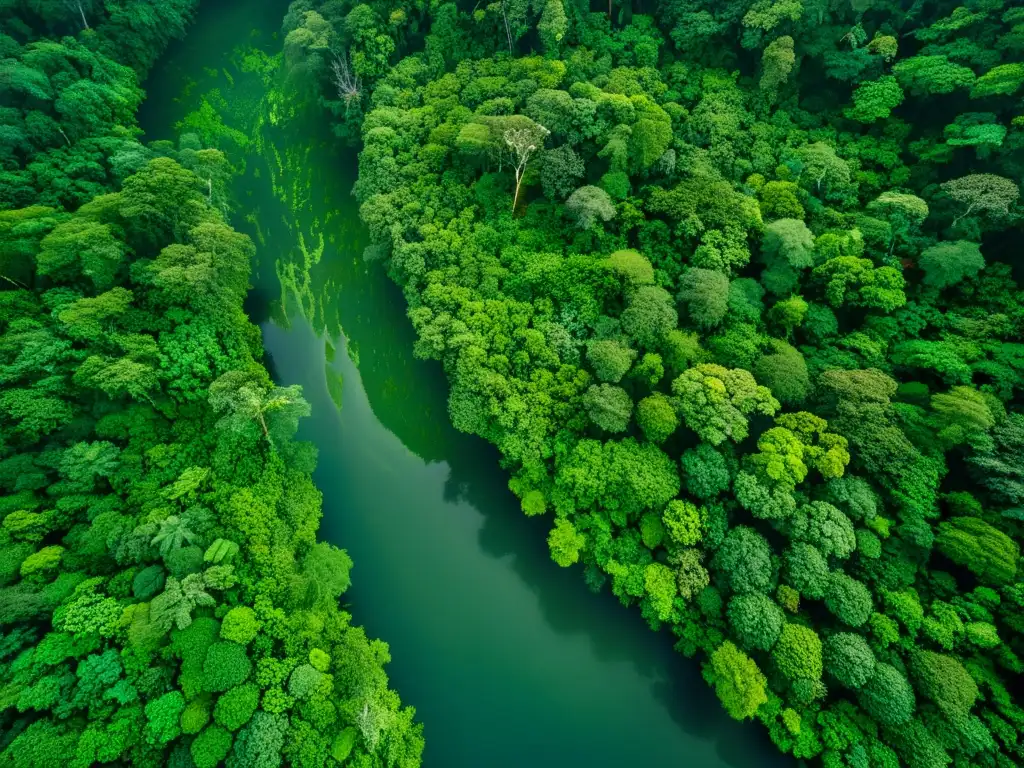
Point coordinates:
[(172, 535), (84, 465), (40, 566), (560, 170), (982, 193), (162, 202), (162, 715), (756, 620), (1000, 467), (887, 696), (178, 600), (779, 460), (705, 471), (211, 271), (1001, 80), (740, 685), (632, 266), (347, 84), (245, 401), (236, 706), (823, 168), (788, 313), (260, 742), (765, 15), (650, 370), (553, 25), (714, 401), (87, 318), (781, 200), (875, 100), (904, 212), (789, 241), (724, 251), (370, 50), (609, 407), (777, 63), (210, 747), (766, 498), (825, 527), (857, 282), (706, 295), (565, 543), (623, 477), (975, 129), (822, 449), (945, 681), (806, 569), (986, 551), (787, 248), (522, 144), (745, 561), (226, 665), (785, 373), (240, 625), (649, 316), (660, 589), (304, 681), (927, 75), (691, 576), (947, 264), (963, 416), (797, 654), (610, 359), (849, 659), (702, 203), (650, 138), (32, 414), (682, 523), (848, 600), (589, 204), (327, 570), (656, 417), (82, 246)]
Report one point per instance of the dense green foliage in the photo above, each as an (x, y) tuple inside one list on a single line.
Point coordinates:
[(744, 269), (163, 598)]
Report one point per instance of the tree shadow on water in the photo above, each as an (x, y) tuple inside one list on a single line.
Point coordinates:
[(615, 634)]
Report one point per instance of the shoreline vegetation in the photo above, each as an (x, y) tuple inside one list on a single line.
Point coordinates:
[(163, 597)]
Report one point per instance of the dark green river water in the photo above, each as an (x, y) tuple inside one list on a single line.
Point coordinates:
[(508, 659)]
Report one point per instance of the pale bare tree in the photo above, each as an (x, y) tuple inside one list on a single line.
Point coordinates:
[(80, 6), (522, 144), (345, 81), (508, 28)]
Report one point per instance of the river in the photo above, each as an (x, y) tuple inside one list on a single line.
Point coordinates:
[(509, 660)]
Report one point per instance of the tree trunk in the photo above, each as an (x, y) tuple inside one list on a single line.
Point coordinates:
[(508, 30), (515, 199)]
